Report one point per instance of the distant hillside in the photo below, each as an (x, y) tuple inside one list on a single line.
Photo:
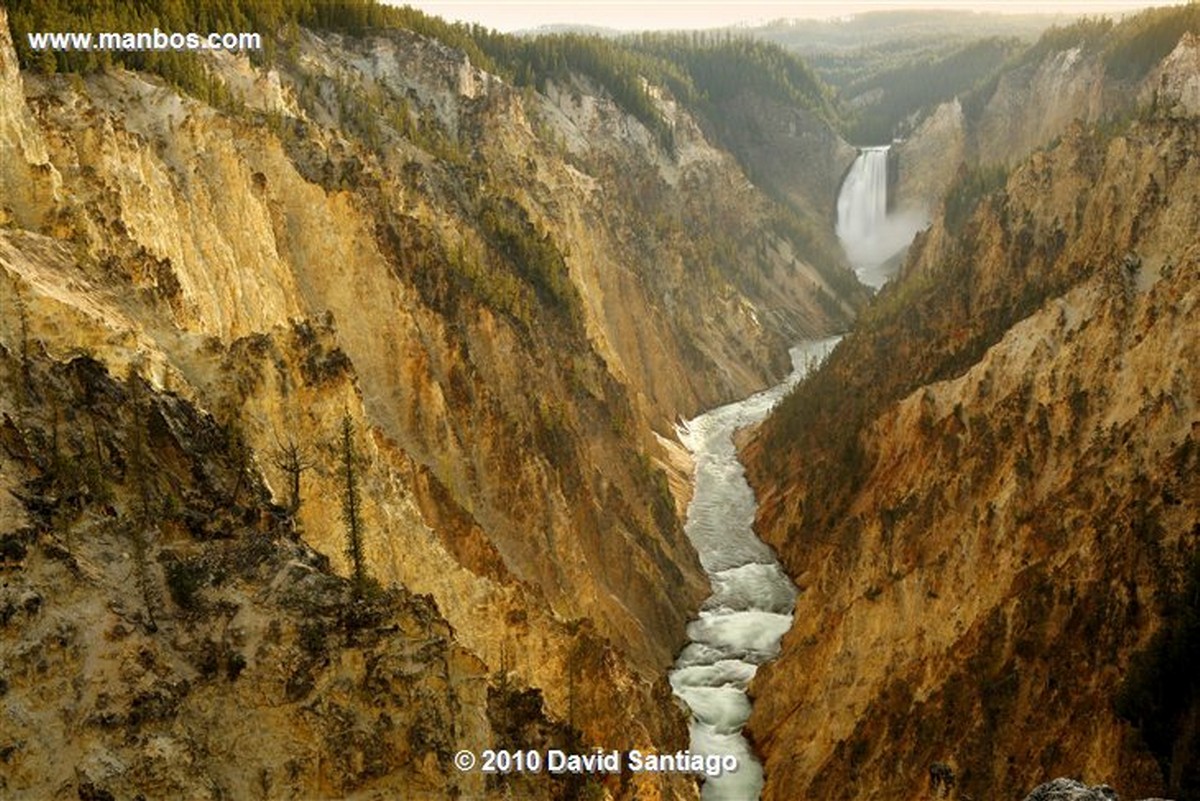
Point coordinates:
[(1094, 70), (846, 50), (880, 106)]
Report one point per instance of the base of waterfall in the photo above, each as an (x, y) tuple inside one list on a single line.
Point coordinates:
[(878, 254)]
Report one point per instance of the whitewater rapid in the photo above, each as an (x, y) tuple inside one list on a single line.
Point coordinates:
[(741, 623)]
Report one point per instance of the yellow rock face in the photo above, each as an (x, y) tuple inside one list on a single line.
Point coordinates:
[(280, 269)]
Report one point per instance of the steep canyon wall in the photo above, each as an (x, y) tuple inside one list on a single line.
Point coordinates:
[(508, 294), (988, 494)]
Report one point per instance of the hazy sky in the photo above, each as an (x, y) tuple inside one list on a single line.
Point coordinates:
[(508, 15)]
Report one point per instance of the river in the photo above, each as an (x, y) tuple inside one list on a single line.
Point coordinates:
[(741, 623)]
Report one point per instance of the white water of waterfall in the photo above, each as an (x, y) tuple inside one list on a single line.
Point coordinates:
[(870, 235), (752, 601)]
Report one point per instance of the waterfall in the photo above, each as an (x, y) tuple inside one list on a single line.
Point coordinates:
[(862, 203), (870, 235)]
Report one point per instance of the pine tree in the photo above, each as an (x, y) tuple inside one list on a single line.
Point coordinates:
[(26, 399), (352, 506)]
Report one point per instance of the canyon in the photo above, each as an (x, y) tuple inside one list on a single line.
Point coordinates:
[(373, 399), (370, 232)]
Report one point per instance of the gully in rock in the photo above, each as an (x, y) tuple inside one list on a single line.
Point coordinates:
[(751, 605)]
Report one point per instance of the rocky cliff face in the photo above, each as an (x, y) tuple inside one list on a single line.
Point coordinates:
[(1028, 107), (167, 634), (508, 293), (988, 495), (25, 171)]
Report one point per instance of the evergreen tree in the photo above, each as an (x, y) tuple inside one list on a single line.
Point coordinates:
[(352, 506)]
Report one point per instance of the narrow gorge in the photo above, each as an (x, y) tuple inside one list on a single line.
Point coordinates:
[(751, 605), (401, 408)]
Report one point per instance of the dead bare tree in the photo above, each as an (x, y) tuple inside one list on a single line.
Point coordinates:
[(293, 459)]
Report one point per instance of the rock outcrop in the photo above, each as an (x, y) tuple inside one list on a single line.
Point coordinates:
[(1071, 790), (1032, 104), (1173, 87)]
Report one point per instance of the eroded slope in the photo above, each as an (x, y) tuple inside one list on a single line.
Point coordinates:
[(508, 293), (988, 494)]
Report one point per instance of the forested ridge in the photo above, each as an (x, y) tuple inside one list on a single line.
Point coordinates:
[(886, 104), (871, 91), (1129, 48), (696, 68)]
